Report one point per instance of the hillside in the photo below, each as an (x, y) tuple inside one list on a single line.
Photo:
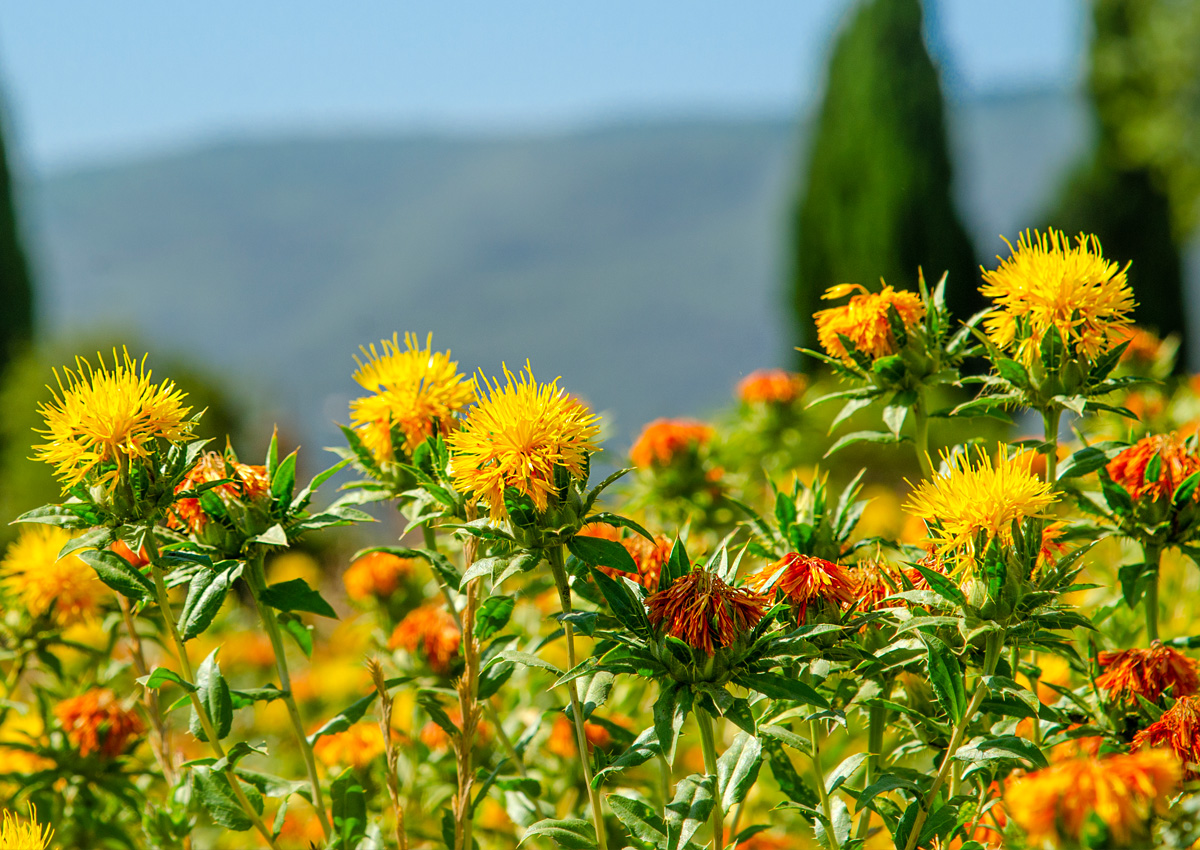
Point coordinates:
[(642, 263)]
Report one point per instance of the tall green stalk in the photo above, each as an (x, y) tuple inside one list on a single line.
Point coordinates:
[(876, 726), (1152, 555), (814, 733), (921, 434), (708, 743)]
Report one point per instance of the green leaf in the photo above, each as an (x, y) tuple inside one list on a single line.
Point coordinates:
[(946, 677), (161, 675), (283, 483), (1052, 349), (1012, 371), (628, 609), (1186, 490), (299, 632), (778, 686), (206, 594), (572, 833), (942, 585), (670, 710), (894, 416), (643, 822), (219, 800), (1083, 462), (344, 719), (737, 769), (884, 784), (118, 574), (349, 805), (843, 772), (296, 595), (598, 552), (790, 782), (1003, 748), (493, 615), (213, 691), (273, 536), (848, 440), (643, 748), (526, 658), (695, 796)]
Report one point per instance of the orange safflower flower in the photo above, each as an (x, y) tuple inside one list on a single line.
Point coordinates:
[(665, 439), (562, 737), (96, 722), (357, 747), (376, 574), (138, 559), (864, 320), (1148, 673), (648, 556), (699, 603), (1122, 791), (1143, 345), (1128, 469), (436, 739), (766, 841), (804, 579), (248, 482), (431, 632), (1179, 731), (771, 386)]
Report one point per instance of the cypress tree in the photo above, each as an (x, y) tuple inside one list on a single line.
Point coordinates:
[(16, 288), (877, 201)]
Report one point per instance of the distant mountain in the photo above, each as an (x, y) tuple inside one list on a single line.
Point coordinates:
[(641, 262)]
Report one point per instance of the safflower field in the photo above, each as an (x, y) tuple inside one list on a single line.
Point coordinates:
[(936, 595)]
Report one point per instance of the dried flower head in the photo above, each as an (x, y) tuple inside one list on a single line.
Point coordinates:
[(102, 419), (248, 483), (1055, 804), (771, 386), (431, 633), (664, 440), (1177, 462), (96, 722), (1048, 284), (376, 574), (19, 834), (357, 747), (978, 497), (803, 579), (864, 320), (414, 390), (649, 557), (516, 436), (700, 603), (33, 574), (1148, 673), (1179, 731)]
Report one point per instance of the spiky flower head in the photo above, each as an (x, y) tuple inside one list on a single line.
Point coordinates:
[(1057, 805), (771, 386), (1047, 283), (414, 390), (700, 604), (516, 436), (663, 441), (864, 320), (33, 574), (247, 482), (804, 579), (1148, 673), (101, 419), (1178, 730), (974, 496), (19, 834), (1177, 461), (96, 722), (429, 632)]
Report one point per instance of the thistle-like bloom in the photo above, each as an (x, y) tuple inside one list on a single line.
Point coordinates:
[(376, 574), (431, 633), (700, 603), (803, 579), (1055, 804), (32, 573), (248, 482), (1046, 283), (649, 557), (771, 386), (977, 497), (1128, 469), (19, 834), (96, 722), (414, 389), (1148, 673), (1179, 731), (664, 440), (864, 320), (357, 747), (517, 436), (102, 419)]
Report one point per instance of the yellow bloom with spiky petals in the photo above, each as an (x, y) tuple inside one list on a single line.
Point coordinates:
[(516, 436), (101, 419), (19, 834), (977, 495), (33, 573), (413, 389), (864, 319), (1047, 283)]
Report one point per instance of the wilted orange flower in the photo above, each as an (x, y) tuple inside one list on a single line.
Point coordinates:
[(665, 439), (357, 747), (429, 631), (804, 579), (1048, 284), (96, 722), (376, 574), (1122, 791), (648, 556), (864, 320), (32, 573), (435, 737), (699, 603), (247, 483), (1179, 731), (1148, 673), (1128, 469), (562, 737), (771, 386)]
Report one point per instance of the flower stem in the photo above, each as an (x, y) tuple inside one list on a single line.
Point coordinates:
[(1050, 419), (257, 579), (554, 555), (876, 725), (160, 740), (1153, 557), (814, 731), (708, 743), (921, 435)]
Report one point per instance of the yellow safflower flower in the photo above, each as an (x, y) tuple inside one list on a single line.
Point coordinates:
[(32, 573), (864, 320), (18, 834)]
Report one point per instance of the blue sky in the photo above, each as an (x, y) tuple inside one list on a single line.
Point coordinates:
[(88, 81)]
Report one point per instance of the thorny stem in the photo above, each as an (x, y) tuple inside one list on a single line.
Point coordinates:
[(258, 583), (995, 645), (210, 732), (1152, 554), (708, 744), (554, 555), (468, 689), (921, 436), (159, 741), (876, 726), (814, 731), (1050, 420)]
